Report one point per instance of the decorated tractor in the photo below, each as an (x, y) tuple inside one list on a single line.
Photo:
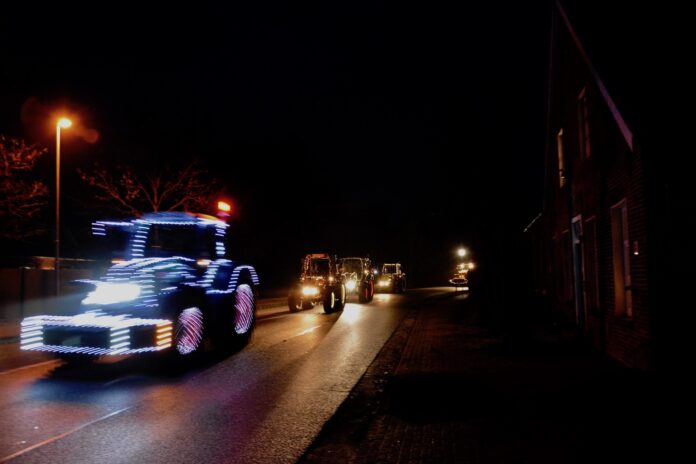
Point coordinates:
[(392, 279), (174, 290), (358, 277), (460, 277), (319, 282)]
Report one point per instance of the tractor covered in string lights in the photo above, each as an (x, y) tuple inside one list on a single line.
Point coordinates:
[(319, 282), (173, 290)]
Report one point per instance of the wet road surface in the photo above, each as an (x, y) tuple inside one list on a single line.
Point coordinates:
[(265, 403)]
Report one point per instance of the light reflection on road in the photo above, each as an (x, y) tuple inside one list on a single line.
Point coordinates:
[(351, 313), (383, 297)]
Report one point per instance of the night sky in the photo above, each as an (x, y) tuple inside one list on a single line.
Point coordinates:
[(391, 129)]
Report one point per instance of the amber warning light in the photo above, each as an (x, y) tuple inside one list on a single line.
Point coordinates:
[(224, 210), (224, 207)]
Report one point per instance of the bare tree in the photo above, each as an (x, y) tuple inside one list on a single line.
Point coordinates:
[(132, 192), (21, 199)]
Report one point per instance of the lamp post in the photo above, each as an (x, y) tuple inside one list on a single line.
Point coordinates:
[(63, 123), (461, 252)]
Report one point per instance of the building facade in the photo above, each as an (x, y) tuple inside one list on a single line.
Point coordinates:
[(592, 241)]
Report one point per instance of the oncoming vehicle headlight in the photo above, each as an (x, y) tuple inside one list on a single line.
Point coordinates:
[(383, 283), (350, 285), (310, 291), (109, 293)]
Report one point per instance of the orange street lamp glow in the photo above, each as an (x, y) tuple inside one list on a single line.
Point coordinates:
[(224, 206), (64, 123)]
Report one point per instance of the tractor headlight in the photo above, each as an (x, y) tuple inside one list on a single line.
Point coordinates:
[(350, 285), (110, 293), (310, 291)]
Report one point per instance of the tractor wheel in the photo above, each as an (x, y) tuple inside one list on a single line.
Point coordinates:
[(244, 313), (335, 299), (364, 294), (188, 332)]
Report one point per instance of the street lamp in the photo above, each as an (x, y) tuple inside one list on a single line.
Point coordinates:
[(461, 252), (63, 123)]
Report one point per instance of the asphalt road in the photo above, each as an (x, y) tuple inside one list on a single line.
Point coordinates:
[(265, 403)]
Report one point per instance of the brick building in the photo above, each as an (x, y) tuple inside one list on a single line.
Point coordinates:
[(604, 244)]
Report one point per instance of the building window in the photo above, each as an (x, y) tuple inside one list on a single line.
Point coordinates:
[(583, 124), (567, 268), (555, 268), (621, 255), (561, 159), (591, 265), (579, 290)]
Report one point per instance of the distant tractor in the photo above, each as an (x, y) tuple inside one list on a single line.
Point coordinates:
[(319, 282), (358, 277), (460, 283), (392, 279), (460, 277)]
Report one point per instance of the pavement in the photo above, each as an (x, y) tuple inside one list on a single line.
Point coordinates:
[(449, 387)]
